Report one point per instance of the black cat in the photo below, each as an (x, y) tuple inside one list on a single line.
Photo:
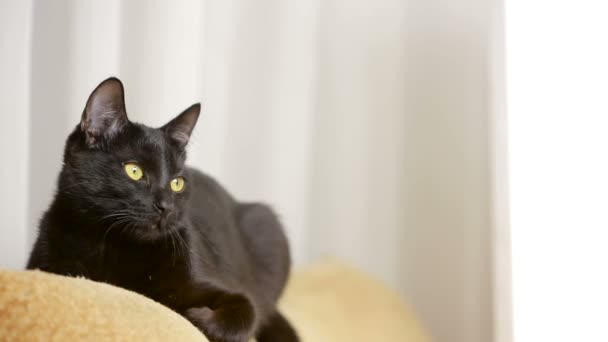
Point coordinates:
[(129, 212)]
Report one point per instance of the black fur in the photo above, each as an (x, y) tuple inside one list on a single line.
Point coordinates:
[(220, 263)]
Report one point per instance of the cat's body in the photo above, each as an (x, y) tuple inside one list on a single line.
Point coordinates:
[(220, 263)]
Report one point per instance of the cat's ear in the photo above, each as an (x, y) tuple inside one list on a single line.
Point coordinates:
[(104, 115), (180, 128)]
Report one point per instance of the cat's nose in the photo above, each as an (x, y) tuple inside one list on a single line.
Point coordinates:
[(161, 206)]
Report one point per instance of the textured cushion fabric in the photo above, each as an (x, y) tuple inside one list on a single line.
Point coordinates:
[(332, 302), (326, 302), (38, 306)]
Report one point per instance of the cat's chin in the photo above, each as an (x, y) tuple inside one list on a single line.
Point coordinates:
[(150, 232)]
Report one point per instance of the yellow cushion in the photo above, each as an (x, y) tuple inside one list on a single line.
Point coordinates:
[(327, 302)]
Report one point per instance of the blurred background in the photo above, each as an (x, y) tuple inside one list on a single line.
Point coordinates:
[(365, 124), (376, 129)]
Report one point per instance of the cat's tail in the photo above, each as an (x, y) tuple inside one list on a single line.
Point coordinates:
[(275, 329)]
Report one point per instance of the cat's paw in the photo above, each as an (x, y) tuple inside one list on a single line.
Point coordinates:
[(224, 324)]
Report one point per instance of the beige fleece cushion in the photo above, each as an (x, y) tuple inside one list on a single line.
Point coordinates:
[(326, 302)]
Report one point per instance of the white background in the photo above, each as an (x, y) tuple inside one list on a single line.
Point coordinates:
[(557, 70)]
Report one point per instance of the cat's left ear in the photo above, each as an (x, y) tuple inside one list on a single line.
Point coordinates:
[(181, 127)]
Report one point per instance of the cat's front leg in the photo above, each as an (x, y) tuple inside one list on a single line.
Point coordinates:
[(230, 318)]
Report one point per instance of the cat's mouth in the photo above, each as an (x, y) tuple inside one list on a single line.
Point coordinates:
[(156, 223), (160, 223), (149, 227), (150, 230), (160, 226)]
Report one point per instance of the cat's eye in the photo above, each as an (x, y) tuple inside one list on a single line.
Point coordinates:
[(177, 184), (134, 171)]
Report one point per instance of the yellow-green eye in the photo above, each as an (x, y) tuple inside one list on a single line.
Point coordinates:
[(177, 184), (134, 171)]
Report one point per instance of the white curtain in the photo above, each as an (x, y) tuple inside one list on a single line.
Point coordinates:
[(366, 124)]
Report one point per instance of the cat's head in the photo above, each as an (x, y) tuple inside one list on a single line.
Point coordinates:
[(126, 176)]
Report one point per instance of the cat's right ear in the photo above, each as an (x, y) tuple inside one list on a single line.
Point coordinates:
[(104, 115)]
